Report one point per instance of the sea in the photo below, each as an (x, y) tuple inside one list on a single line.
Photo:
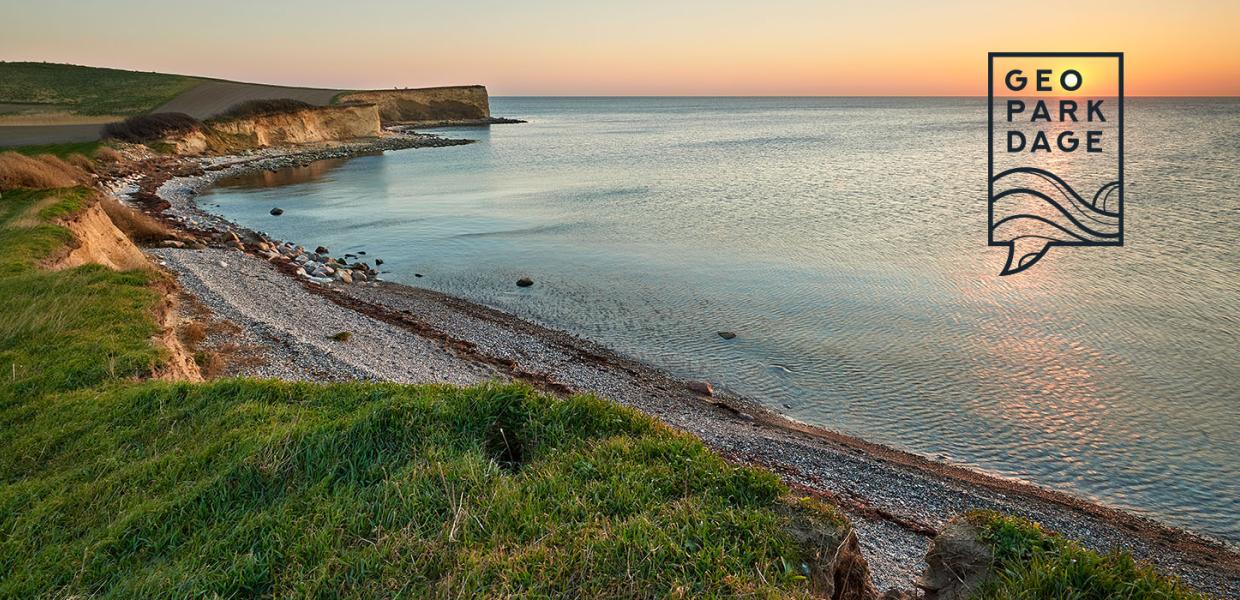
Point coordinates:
[(844, 242)]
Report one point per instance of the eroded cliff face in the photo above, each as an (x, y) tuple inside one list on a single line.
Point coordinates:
[(97, 240), (456, 103), (320, 124)]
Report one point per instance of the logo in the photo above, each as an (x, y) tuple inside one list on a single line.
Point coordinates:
[(1056, 159)]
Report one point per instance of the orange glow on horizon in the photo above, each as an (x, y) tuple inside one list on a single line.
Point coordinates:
[(643, 47)]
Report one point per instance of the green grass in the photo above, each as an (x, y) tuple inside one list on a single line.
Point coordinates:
[(245, 488), (88, 90), (66, 329), (1033, 564), (62, 150)]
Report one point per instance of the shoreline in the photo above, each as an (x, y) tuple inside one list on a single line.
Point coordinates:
[(897, 498)]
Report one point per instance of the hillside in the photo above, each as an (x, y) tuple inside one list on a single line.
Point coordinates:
[(44, 88), (45, 103)]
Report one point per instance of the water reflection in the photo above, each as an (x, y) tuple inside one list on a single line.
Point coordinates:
[(315, 171)]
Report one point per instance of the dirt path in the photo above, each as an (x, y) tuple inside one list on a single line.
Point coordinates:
[(27, 135), (210, 98)]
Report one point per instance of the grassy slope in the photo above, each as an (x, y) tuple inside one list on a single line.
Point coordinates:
[(60, 150), (67, 329), (110, 487), (1032, 564), (88, 90), (365, 490)]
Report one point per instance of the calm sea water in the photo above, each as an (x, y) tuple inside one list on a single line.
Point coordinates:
[(843, 240)]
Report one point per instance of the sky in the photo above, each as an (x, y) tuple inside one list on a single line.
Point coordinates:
[(636, 47)]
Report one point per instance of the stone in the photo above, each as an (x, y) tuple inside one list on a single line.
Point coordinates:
[(345, 276), (360, 275), (701, 387), (727, 335), (322, 250), (378, 261), (417, 274), (525, 282), (277, 211), (172, 244)]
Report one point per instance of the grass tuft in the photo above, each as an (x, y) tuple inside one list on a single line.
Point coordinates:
[(138, 226), (37, 172), (1031, 563)]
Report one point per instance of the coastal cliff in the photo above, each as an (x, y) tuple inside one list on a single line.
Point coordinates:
[(454, 103), (319, 124)]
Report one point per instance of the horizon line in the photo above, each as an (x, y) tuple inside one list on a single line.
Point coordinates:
[(581, 95)]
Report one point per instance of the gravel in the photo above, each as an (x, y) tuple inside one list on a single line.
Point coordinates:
[(295, 328)]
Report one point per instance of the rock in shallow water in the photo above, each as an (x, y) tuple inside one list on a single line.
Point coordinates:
[(525, 282), (277, 211), (727, 335)]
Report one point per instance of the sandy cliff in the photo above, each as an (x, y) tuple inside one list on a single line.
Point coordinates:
[(97, 240), (456, 103), (322, 124)]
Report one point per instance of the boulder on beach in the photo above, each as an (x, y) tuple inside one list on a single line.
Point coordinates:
[(277, 211), (525, 282), (701, 387)]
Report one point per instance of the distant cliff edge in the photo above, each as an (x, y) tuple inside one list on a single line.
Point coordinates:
[(468, 103)]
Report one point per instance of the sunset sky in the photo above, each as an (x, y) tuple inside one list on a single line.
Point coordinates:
[(637, 47)]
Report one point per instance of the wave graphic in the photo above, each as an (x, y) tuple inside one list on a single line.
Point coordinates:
[(1033, 209)]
